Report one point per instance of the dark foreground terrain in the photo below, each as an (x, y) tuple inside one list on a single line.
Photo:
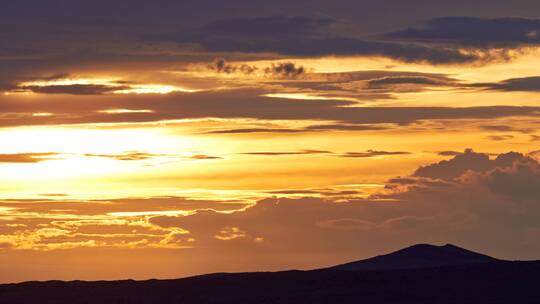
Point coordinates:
[(418, 274)]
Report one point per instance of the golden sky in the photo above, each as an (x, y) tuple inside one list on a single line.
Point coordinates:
[(140, 144)]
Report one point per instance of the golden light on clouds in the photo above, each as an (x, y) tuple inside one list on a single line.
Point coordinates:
[(81, 85), (304, 96), (42, 114), (69, 81), (263, 138), (143, 213), (125, 111), (152, 89)]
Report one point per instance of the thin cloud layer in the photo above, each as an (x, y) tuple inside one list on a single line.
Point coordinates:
[(372, 153), (28, 157), (302, 152), (524, 84), (312, 36), (75, 89), (231, 105), (475, 31)]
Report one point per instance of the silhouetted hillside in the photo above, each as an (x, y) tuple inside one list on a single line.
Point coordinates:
[(492, 281), (419, 256)]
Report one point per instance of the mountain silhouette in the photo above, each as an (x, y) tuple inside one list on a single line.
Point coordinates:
[(419, 256), (418, 274)]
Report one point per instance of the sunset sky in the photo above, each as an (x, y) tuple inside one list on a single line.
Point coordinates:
[(160, 139)]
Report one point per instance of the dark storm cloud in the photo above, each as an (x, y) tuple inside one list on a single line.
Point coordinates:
[(475, 31)]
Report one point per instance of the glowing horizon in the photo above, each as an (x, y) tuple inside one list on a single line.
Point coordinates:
[(272, 137)]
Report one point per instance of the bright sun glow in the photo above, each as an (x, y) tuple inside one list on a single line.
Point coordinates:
[(125, 111), (152, 89), (79, 152), (110, 85)]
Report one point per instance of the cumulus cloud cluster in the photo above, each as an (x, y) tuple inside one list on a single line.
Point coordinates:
[(285, 70), (220, 65), (470, 161), (483, 203), (474, 200), (275, 70)]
